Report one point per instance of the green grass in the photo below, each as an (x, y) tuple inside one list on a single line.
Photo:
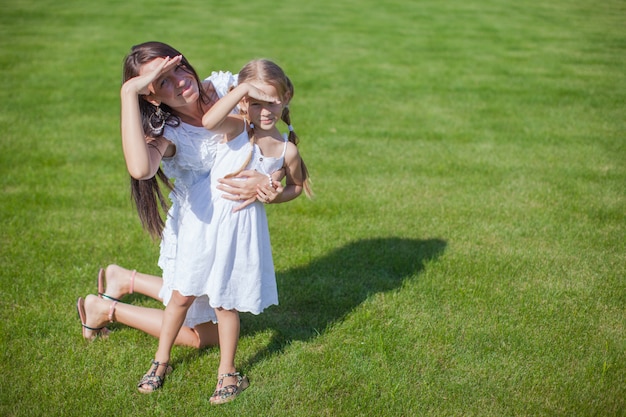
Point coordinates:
[(465, 253)]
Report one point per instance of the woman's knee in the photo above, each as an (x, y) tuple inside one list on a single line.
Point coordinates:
[(207, 335)]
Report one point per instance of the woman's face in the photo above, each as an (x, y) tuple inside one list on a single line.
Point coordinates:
[(264, 115), (176, 87)]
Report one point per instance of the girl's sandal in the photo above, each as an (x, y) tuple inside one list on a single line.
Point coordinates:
[(152, 380), (230, 392)]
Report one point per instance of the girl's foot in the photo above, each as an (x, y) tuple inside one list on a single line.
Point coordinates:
[(119, 282), (155, 377), (229, 386)]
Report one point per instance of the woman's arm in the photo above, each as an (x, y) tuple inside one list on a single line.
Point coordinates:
[(142, 160), (246, 190)]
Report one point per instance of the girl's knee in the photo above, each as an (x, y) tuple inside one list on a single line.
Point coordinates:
[(182, 300)]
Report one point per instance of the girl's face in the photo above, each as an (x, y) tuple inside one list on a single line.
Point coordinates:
[(176, 87), (264, 115)]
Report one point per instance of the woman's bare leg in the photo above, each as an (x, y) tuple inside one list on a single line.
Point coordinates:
[(148, 320), (118, 283), (207, 334)]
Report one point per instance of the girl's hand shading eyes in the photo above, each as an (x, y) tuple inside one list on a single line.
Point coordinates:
[(256, 94)]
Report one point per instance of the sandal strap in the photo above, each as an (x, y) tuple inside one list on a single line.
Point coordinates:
[(95, 329), (220, 378), (154, 381), (237, 374), (112, 311), (132, 281), (156, 365), (108, 297)]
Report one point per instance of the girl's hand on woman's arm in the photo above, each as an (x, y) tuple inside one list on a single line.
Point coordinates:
[(267, 194)]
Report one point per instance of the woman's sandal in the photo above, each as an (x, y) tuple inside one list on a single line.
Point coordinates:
[(152, 380), (101, 293), (230, 392), (82, 315)]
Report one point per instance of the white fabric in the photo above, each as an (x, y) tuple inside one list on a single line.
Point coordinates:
[(242, 273), (187, 221), (222, 258)]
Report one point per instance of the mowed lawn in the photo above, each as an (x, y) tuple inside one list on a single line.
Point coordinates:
[(464, 254)]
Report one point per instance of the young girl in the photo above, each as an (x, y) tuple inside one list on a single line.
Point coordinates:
[(242, 274), (263, 78)]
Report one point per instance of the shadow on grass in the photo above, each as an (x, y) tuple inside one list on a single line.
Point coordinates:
[(315, 296)]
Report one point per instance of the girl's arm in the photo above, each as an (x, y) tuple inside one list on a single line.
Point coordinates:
[(218, 119), (143, 155), (293, 173)]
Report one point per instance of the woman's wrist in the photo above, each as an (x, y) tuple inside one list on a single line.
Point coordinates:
[(128, 90)]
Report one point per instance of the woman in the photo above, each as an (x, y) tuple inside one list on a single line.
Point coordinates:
[(162, 105)]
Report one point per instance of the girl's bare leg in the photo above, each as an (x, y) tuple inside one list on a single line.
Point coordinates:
[(148, 320), (228, 329), (118, 283), (173, 318)]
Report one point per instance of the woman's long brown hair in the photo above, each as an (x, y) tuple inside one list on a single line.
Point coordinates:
[(147, 195)]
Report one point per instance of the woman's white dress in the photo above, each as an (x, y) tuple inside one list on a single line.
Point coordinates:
[(222, 258)]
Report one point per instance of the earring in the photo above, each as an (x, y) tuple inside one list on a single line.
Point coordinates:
[(159, 118)]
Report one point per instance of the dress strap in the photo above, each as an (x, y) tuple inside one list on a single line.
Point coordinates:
[(286, 139)]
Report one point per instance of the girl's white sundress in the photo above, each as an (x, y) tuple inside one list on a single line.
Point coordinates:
[(186, 234), (242, 274), (222, 258)]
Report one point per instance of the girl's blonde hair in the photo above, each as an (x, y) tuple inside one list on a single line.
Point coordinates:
[(267, 72)]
